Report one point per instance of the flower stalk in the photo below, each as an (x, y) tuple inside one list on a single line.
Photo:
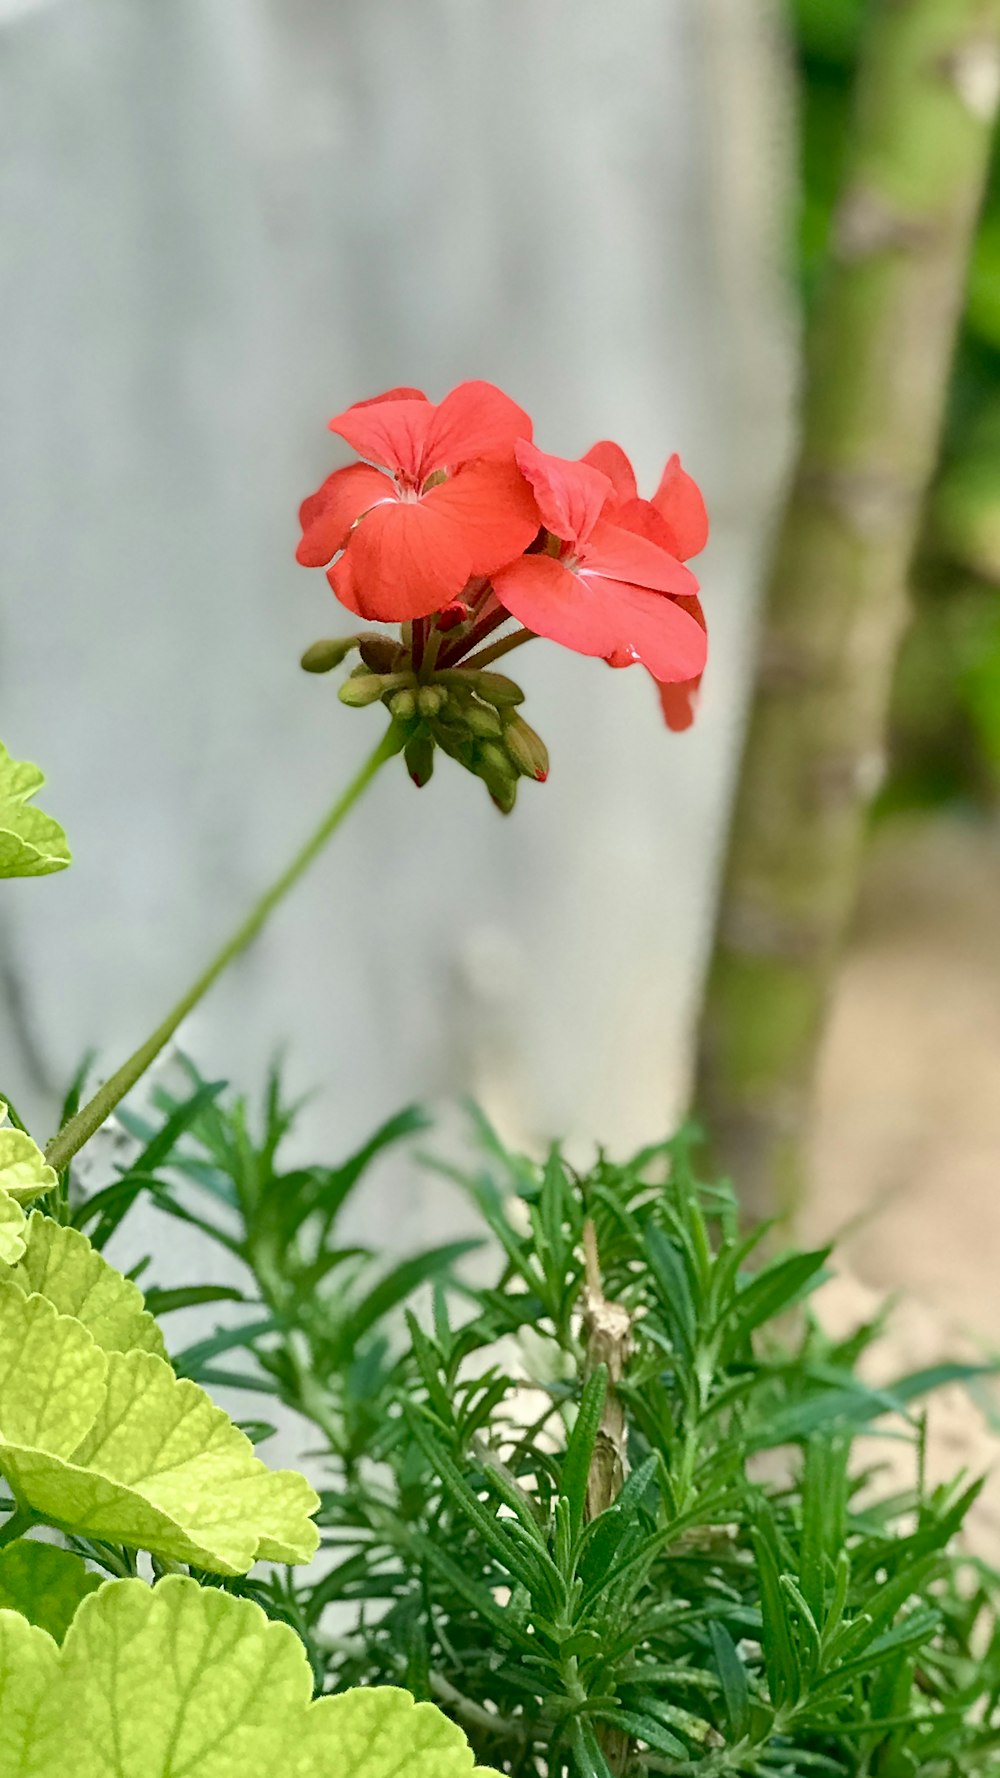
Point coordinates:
[(91, 1116)]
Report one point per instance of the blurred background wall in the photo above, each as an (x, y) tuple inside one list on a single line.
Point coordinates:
[(220, 221)]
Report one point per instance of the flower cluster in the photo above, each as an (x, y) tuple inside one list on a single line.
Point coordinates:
[(455, 523)]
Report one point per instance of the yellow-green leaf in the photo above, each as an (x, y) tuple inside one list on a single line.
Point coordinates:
[(113, 1445), (178, 1679), (31, 843), (60, 1264)]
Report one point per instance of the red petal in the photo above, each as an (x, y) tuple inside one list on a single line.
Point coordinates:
[(475, 420), (679, 703), (326, 517), (624, 555), (391, 433), (602, 617), (399, 394), (569, 495), (642, 517), (611, 460), (678, 499), (491, 510), (402, 561)]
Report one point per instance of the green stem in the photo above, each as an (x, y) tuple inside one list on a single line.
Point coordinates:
[(21, 1520), (92, 1115)]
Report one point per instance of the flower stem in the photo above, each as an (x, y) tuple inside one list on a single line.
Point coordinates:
[(91, 1116), (496, 649)]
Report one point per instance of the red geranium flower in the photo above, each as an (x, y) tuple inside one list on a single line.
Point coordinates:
[(676, 519), (438, 501), (607, 587)]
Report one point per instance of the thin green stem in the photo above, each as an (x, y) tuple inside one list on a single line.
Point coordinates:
[(496, 649), (92, 1115)]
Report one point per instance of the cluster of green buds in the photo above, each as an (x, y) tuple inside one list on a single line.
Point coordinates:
[(469, 712)]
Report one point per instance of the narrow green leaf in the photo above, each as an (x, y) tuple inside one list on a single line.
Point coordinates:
[(575, 1467), (732, 1678)]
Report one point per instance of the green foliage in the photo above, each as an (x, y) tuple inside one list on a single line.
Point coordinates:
[(710, 1619), (747, 1602), (946, 728), (44, 1583), (31, 844), (23, 1176), (209, 1687), (99, 1437)]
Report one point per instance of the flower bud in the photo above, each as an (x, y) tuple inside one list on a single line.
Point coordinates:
[(419, 757), (403, 705), (526, 749), (323, 656), (430, 699), (496, 689), (378, 652), (481, 720), (361, 689), (498, 773)]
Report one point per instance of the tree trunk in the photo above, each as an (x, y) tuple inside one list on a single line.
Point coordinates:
[(877, 366)]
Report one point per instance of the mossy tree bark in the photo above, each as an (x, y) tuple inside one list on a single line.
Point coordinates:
[(877, 362)]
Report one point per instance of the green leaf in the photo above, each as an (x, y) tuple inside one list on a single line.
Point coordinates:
[(13, 1223), (733, 1679), (580, 1449), (24, 1172), (44, 1583), (60, 1264), (114, 1446), (31, 844), (29, 1663), (176, 1679), (188, 1296), (780, 1659)]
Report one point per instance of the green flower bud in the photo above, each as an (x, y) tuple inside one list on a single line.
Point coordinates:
[(403, 705), (498, 773), (378, 652), (362, 688), (496, 689), (526, 749), (419, 757), (482, 721), (323, 656), (430, 699), (504, 796)]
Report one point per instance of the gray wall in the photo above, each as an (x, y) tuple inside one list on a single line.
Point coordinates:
[(221, 220)]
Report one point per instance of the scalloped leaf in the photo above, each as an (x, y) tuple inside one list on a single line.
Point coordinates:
[(31, 843), (60, 1264), (29, 1668), (44, 1583), (155, 1682), (24, 1171), (13, 1224), (113, 1445)]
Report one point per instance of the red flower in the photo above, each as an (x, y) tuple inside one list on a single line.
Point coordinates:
[(612, 590), (676, 519), (438, 500)]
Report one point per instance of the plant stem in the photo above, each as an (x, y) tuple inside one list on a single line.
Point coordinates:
[(496, 649), (92, 1115), (877, 366), (21, 1520)]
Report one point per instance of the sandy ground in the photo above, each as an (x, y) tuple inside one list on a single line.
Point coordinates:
[(907, 1143)]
